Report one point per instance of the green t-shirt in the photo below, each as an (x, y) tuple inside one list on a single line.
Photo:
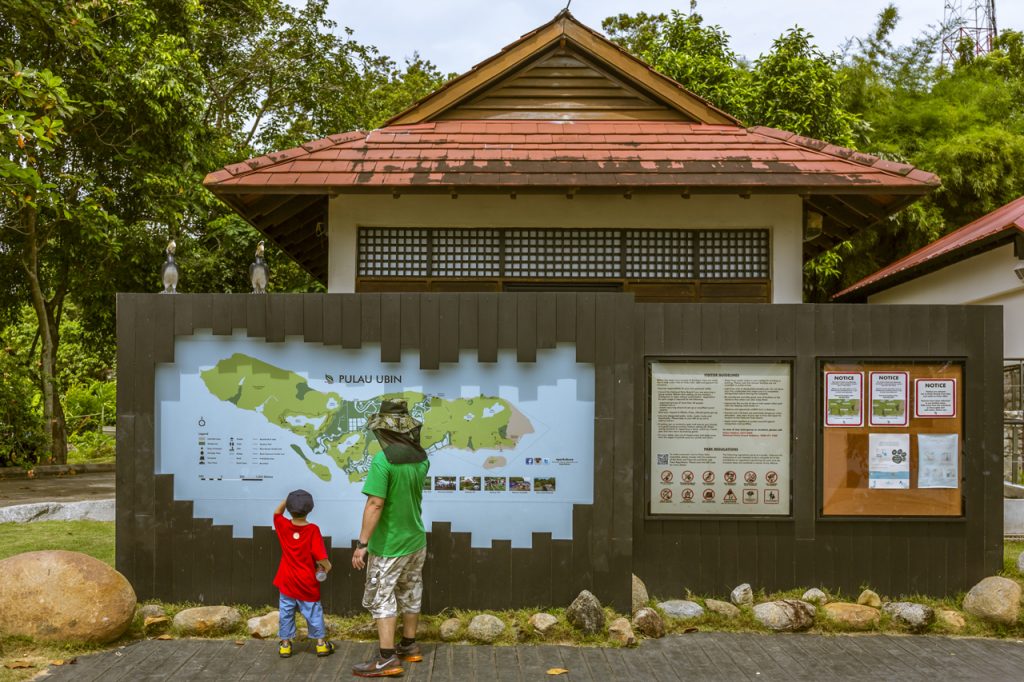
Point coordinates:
[(400, 529)]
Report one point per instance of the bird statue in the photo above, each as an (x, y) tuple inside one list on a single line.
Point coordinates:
[(169, 271), (259, 273)]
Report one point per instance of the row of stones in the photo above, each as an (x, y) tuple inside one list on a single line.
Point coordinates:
[(995, 599)]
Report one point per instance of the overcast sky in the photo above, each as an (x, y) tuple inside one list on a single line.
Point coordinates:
[(456, 34)]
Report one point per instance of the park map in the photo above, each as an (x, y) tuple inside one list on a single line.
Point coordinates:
[(336, 428)]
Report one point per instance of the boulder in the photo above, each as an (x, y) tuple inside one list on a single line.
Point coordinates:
[(640, 596), (722, 608), (853, 616), (648, 623), (742, 595), (815, 596), (586, 614), (620, 631), (485, 628), (994, 599), (950, 619), (785, 615), (151, 611), (542, 623), (73, 597), (869, 598), (683, 609), (910, 615), (450, 630), (266, 626), (207, 620)]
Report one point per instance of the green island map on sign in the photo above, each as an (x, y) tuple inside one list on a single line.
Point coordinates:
[(335, 427)]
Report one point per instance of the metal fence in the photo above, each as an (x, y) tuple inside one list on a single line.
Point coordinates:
[(1013, 421)]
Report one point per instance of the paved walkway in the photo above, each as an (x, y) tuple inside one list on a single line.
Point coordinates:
[(99, 486), (699, 656)]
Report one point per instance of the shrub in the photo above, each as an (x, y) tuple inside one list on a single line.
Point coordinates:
[(22, 432)]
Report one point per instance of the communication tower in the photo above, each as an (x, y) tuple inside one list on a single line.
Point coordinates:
[(973, 20)]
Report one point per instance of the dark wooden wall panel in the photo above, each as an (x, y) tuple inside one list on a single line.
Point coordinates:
[(168, 553)]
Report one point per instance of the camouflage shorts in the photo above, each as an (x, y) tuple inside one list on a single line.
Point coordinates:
[(394, 584)]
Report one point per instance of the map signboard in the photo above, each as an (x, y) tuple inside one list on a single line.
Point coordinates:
[(240, 422), (720, 438)]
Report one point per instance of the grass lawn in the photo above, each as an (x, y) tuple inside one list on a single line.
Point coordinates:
[(95, 538)]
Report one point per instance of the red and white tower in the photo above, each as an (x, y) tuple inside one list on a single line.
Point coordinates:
[(973, 20)]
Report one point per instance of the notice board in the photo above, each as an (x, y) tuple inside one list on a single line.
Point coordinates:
[(892, 442), (720, 438)]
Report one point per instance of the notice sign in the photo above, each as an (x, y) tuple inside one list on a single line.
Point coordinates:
[(889, 460), (889, 393), (720, 438), (938, 460), (844, 398), (934, 398)]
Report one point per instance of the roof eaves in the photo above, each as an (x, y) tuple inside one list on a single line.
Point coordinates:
[(896, 275), (259, 163)]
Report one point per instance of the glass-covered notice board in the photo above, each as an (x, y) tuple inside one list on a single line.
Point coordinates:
[(892, 439)]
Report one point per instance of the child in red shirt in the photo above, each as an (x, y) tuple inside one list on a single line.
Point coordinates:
[(303, 555)]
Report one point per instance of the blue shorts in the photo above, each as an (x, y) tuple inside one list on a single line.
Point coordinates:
[(310, 610)]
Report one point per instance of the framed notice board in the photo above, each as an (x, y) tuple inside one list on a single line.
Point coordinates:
[(892, 439)]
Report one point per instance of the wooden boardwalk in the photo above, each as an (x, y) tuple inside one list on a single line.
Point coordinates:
[(699, 656)]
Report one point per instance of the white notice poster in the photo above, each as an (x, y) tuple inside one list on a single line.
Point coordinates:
[(844, 398), (889, 460), (889, 394), (934, 398), (938, 460), (720, 438)]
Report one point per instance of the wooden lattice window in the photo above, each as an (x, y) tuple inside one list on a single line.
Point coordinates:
[(465, 253), (584, 254), (732, 254), (394, 252), (579, 254), (660, 254)]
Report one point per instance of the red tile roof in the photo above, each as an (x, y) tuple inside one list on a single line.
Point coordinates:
[(986, 232), (615, 155)]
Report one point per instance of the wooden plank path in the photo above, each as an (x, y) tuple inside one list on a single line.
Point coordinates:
[(699, 656)]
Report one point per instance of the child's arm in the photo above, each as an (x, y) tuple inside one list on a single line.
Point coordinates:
[(280, 507), (325, 564)]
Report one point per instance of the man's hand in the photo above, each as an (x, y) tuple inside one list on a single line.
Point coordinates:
[(359, 559)]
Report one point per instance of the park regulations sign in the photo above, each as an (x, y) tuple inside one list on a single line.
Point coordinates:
[(720, 438), (240, 422)]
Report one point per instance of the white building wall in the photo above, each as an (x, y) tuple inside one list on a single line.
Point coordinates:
[(782, 215), (985, 279)]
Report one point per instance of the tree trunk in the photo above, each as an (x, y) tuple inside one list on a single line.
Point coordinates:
[(53, 412)]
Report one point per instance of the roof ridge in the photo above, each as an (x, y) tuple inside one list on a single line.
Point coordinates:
[(847, 154), (265, 161)]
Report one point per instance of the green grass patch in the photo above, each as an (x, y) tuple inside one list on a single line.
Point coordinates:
[(95, 538)]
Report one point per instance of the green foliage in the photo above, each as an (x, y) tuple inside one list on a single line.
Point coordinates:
[(90, 446), (22, 435), (796, 87)]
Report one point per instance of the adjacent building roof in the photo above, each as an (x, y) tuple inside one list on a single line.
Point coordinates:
[(995, 229), (561, 110)]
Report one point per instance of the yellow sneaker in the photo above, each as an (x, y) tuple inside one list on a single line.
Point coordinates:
[(285, 649), (325, 649)]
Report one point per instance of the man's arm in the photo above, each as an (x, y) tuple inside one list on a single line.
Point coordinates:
[(371, 515)]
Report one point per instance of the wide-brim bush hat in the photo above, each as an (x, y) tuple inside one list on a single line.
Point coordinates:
[(393, 416)]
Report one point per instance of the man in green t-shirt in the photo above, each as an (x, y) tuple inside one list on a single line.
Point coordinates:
[(392, 542)]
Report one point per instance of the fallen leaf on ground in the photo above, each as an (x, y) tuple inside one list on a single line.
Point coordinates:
[(153, 620), (557, 671), (63, 661), (689, 630), (240, 642), (165, 637), (18, 663)]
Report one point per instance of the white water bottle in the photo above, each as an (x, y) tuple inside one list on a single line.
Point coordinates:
[(321, 574)]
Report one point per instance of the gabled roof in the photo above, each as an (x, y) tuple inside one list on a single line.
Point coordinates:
[(997, 228), (564, 32)]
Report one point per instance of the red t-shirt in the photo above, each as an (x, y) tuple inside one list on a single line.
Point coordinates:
[(301, 548)]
